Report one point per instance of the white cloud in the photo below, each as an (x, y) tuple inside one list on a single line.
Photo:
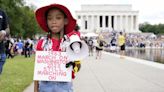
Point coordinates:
[(151, 11)]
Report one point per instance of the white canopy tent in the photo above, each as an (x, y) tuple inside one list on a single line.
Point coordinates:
[(153, 36), (91, 35)]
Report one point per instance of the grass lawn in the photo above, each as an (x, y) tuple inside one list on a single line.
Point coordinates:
[(17, 74)]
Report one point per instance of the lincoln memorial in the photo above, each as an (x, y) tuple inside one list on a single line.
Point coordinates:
[(96, 18)]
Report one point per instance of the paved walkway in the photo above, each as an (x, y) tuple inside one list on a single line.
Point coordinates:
[(113, 74)]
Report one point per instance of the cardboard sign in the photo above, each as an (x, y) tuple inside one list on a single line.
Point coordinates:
[(50, 66)]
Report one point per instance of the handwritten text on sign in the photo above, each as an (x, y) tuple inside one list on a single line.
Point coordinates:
[(50, 66)]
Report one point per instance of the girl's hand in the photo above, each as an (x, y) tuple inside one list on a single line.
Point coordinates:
[(76, 65)]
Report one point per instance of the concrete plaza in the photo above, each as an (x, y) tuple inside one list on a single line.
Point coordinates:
[(114, 74)]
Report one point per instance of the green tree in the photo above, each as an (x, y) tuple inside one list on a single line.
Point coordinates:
[(21, 18), (156, 29)]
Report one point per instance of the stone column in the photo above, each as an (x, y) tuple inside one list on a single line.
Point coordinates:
[(87, 19), (132, 22), (126, 23), (103, 22), (82, 22), (121, 23), (109, 23), (98, 22), (136, 26), (115, 23), (92, 23), (129, 23), (89, 23)]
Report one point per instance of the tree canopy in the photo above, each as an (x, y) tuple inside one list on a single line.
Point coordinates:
[(21, 18), (156, 29)]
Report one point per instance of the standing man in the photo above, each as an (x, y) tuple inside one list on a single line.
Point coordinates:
[(121, 42), (4, 30)]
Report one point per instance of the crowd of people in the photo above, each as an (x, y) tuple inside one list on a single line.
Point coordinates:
[(144, 41), (19, 47), (118, 41)]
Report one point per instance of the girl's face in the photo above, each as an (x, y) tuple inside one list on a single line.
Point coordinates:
[(56, 20)]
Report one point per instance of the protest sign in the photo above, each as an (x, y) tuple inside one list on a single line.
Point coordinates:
[(50, 66)]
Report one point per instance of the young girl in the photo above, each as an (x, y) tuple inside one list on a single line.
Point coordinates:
[(57, 21)]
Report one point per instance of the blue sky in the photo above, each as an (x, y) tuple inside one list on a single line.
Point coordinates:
[(151, 11)]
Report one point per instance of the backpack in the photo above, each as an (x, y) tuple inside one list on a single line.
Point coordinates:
[(27, 44), (113, 41), (90, 42), (101, 44)]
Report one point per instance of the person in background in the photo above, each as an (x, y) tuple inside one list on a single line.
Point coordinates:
[(4, 31), (27, 48), (121, 43), (8, 46), (99, 48), (113, 44), (20, 47), (90, 45)]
